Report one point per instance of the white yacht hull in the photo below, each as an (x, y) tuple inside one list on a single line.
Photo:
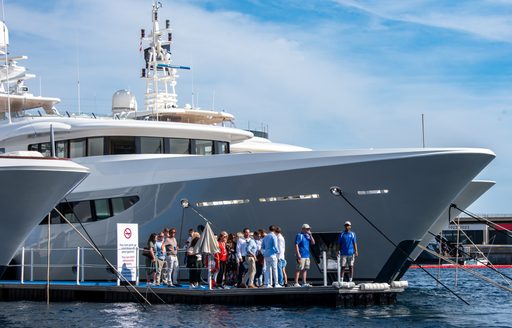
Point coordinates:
[(421, 183), (31, 187)]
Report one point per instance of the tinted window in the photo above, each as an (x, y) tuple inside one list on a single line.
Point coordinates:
[(221, 147), (88, 210), (102, 209), (95, 146), (61, 149), (179, 146), (45, 149), (204, 147), (149, 145), (122, 145), (77, 148)]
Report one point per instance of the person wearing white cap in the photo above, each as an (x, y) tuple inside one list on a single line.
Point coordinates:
[(347, 242), (302, 242)]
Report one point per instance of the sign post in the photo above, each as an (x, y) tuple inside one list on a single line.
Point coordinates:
[(127, 246)]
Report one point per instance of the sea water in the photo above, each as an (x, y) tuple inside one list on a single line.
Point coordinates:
[(423, 304)]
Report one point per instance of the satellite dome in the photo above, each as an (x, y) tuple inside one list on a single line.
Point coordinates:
[(123, 101)]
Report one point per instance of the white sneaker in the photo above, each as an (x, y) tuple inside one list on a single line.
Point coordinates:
[(296, 285), (278, 286), (306, 285), (267, 286)]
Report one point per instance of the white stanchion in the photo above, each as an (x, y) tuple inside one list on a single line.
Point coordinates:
[(138, 265), (31, 264), (78, 265), (324, 262), (209, 272), (338, 267), (82, 266), (22, 264)]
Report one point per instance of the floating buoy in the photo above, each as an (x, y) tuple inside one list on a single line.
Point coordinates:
[(373, 286), (400, 284)]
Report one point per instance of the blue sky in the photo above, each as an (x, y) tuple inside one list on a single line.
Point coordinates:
[(325, 74)]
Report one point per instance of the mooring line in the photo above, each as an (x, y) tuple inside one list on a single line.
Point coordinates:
[(95, 248), (399, 248), (466, 269), (490, 266)]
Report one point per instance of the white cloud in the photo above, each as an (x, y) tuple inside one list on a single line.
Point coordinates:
[(485, 19)]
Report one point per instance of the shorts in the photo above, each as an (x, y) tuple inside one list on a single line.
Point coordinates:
[(303, 264), (350, 259)]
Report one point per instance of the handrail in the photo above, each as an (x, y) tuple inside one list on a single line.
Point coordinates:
[(81, 265)]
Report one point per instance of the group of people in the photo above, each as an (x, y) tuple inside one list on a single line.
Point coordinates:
[(248, 259)]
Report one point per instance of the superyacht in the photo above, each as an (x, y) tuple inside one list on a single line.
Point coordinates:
[(145, 163)]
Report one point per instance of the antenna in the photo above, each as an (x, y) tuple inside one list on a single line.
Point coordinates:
[(6, 63), (423, 128), (78, 76)]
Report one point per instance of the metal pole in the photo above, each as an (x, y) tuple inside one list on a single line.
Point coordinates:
[(53, 151), (457, 252), (78, 265), (423, 129), (22, 264), (338, 267), (209, 272), (137, 258), (324, 262), (82, 258), (48, 255), (31, 264)]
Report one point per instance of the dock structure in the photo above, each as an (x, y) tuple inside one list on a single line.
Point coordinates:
[(107, 292)]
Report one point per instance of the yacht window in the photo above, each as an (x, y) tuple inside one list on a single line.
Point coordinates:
[(117, 205), (204, 147), (77, 148), (45, 149), (221, 147), (33, 147), (88, 211), (95, 146), (179, 146), (102, 209), (66, 210), (83, 210), (122, 145), (151, 145), (61, 149)]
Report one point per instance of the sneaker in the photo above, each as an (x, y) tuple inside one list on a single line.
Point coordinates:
[(278, 286), (267, 286), (170, 285), (295, 285), (306, 285)]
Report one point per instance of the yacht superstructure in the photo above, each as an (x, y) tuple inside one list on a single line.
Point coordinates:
[(143, 163)]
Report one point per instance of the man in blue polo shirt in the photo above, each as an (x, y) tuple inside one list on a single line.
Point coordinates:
[(302, 242), (348, 250)]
